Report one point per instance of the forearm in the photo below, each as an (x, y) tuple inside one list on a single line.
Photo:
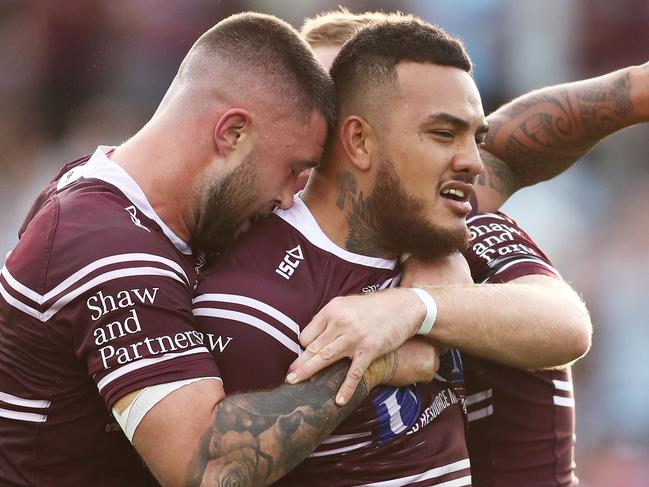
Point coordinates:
[(542, 133), (256, 438), (520, 325)]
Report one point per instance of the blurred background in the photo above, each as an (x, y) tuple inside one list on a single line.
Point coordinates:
[(79, 73)]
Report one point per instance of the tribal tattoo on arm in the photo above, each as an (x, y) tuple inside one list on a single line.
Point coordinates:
[(539, 135), (256, 438)]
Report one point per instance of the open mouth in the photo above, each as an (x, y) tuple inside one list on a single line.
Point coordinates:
[(458, 194), (456, 190)]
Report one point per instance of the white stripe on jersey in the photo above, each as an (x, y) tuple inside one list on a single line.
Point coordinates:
[(251, 303), (145, 362), (19, 304), (101, 279), (342, 449), (84, 271), (563, 385), (478, 396), (566, 402), (480, 413), (481, 215), (391, 283), (28, 403), (430, 474), (535, 260), (339, 438), (20, 416), (292, 345)]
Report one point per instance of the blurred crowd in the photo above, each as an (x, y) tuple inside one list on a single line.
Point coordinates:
[(80, 73)]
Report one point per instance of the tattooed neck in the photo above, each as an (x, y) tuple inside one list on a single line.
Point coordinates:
[(362, 236)]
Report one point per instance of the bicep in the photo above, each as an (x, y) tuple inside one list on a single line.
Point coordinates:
[(170, 433)]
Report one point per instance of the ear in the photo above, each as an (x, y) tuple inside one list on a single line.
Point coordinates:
[(231, 129), (356, 136)]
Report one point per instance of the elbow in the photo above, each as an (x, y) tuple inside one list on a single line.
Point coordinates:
[(579, 339)]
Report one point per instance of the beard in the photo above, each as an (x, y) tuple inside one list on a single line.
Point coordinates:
[(228, 204), (399, 219)]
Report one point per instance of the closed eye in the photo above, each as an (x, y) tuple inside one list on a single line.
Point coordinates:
[(445, 134)]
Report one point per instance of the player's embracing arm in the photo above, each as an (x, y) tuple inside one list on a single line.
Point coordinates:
[(196, 436), (540, 134)]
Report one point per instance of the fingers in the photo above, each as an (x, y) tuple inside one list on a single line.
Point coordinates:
[(315, 327), (359, 365), (319, 355)]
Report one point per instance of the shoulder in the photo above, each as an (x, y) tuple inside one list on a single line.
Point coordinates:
[(85, 238), (500, 250), (498, 245)]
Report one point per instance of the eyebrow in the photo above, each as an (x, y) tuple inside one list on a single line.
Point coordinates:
[(458, 123)]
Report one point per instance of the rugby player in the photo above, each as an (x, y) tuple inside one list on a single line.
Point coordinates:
[(367, 203), (521, 422)]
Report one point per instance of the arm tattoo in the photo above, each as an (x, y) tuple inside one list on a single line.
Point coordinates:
[(258, 437), (541, 134), (497, 175)]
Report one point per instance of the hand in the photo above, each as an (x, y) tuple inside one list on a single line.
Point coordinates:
[(452, 269), (362, 328)]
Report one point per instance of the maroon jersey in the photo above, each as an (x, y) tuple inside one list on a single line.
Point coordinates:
[(521, 423), (95, 303), (251, 310)]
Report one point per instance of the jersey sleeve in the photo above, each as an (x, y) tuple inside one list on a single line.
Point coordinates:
[(500, 251), (116, 294)]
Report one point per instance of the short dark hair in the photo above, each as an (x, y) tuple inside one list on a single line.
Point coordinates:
[(367, 62), (276, 56)]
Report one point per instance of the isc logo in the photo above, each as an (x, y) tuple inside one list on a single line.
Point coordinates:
[(291, 260)]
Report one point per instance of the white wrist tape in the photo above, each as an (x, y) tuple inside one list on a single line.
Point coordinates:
[(148, 397), (431, 310)]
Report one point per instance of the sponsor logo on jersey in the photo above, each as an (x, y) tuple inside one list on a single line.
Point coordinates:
[(493, 240), (291, 260), (371, 289), (133, 212)]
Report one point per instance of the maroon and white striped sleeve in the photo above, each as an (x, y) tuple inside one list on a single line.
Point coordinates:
[(500, 251), (118, 296)]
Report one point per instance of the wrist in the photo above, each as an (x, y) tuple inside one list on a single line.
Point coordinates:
[(430, 315), (380, 371)]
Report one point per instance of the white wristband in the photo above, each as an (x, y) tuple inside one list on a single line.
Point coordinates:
[(431, 310)]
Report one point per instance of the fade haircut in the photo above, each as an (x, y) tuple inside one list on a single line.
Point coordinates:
[(364, 71), (262, 50), (336, 27)]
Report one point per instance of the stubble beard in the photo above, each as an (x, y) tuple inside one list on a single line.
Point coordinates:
[(229, 203)]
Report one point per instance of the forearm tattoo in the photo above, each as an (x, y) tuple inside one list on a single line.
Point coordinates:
[(541, 134), (258, 437)]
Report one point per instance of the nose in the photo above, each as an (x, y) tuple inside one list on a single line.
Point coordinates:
[(469, 161), (285, 199)]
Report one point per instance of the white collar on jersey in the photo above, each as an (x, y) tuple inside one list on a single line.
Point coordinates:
[(300, 217), (99, 166)]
